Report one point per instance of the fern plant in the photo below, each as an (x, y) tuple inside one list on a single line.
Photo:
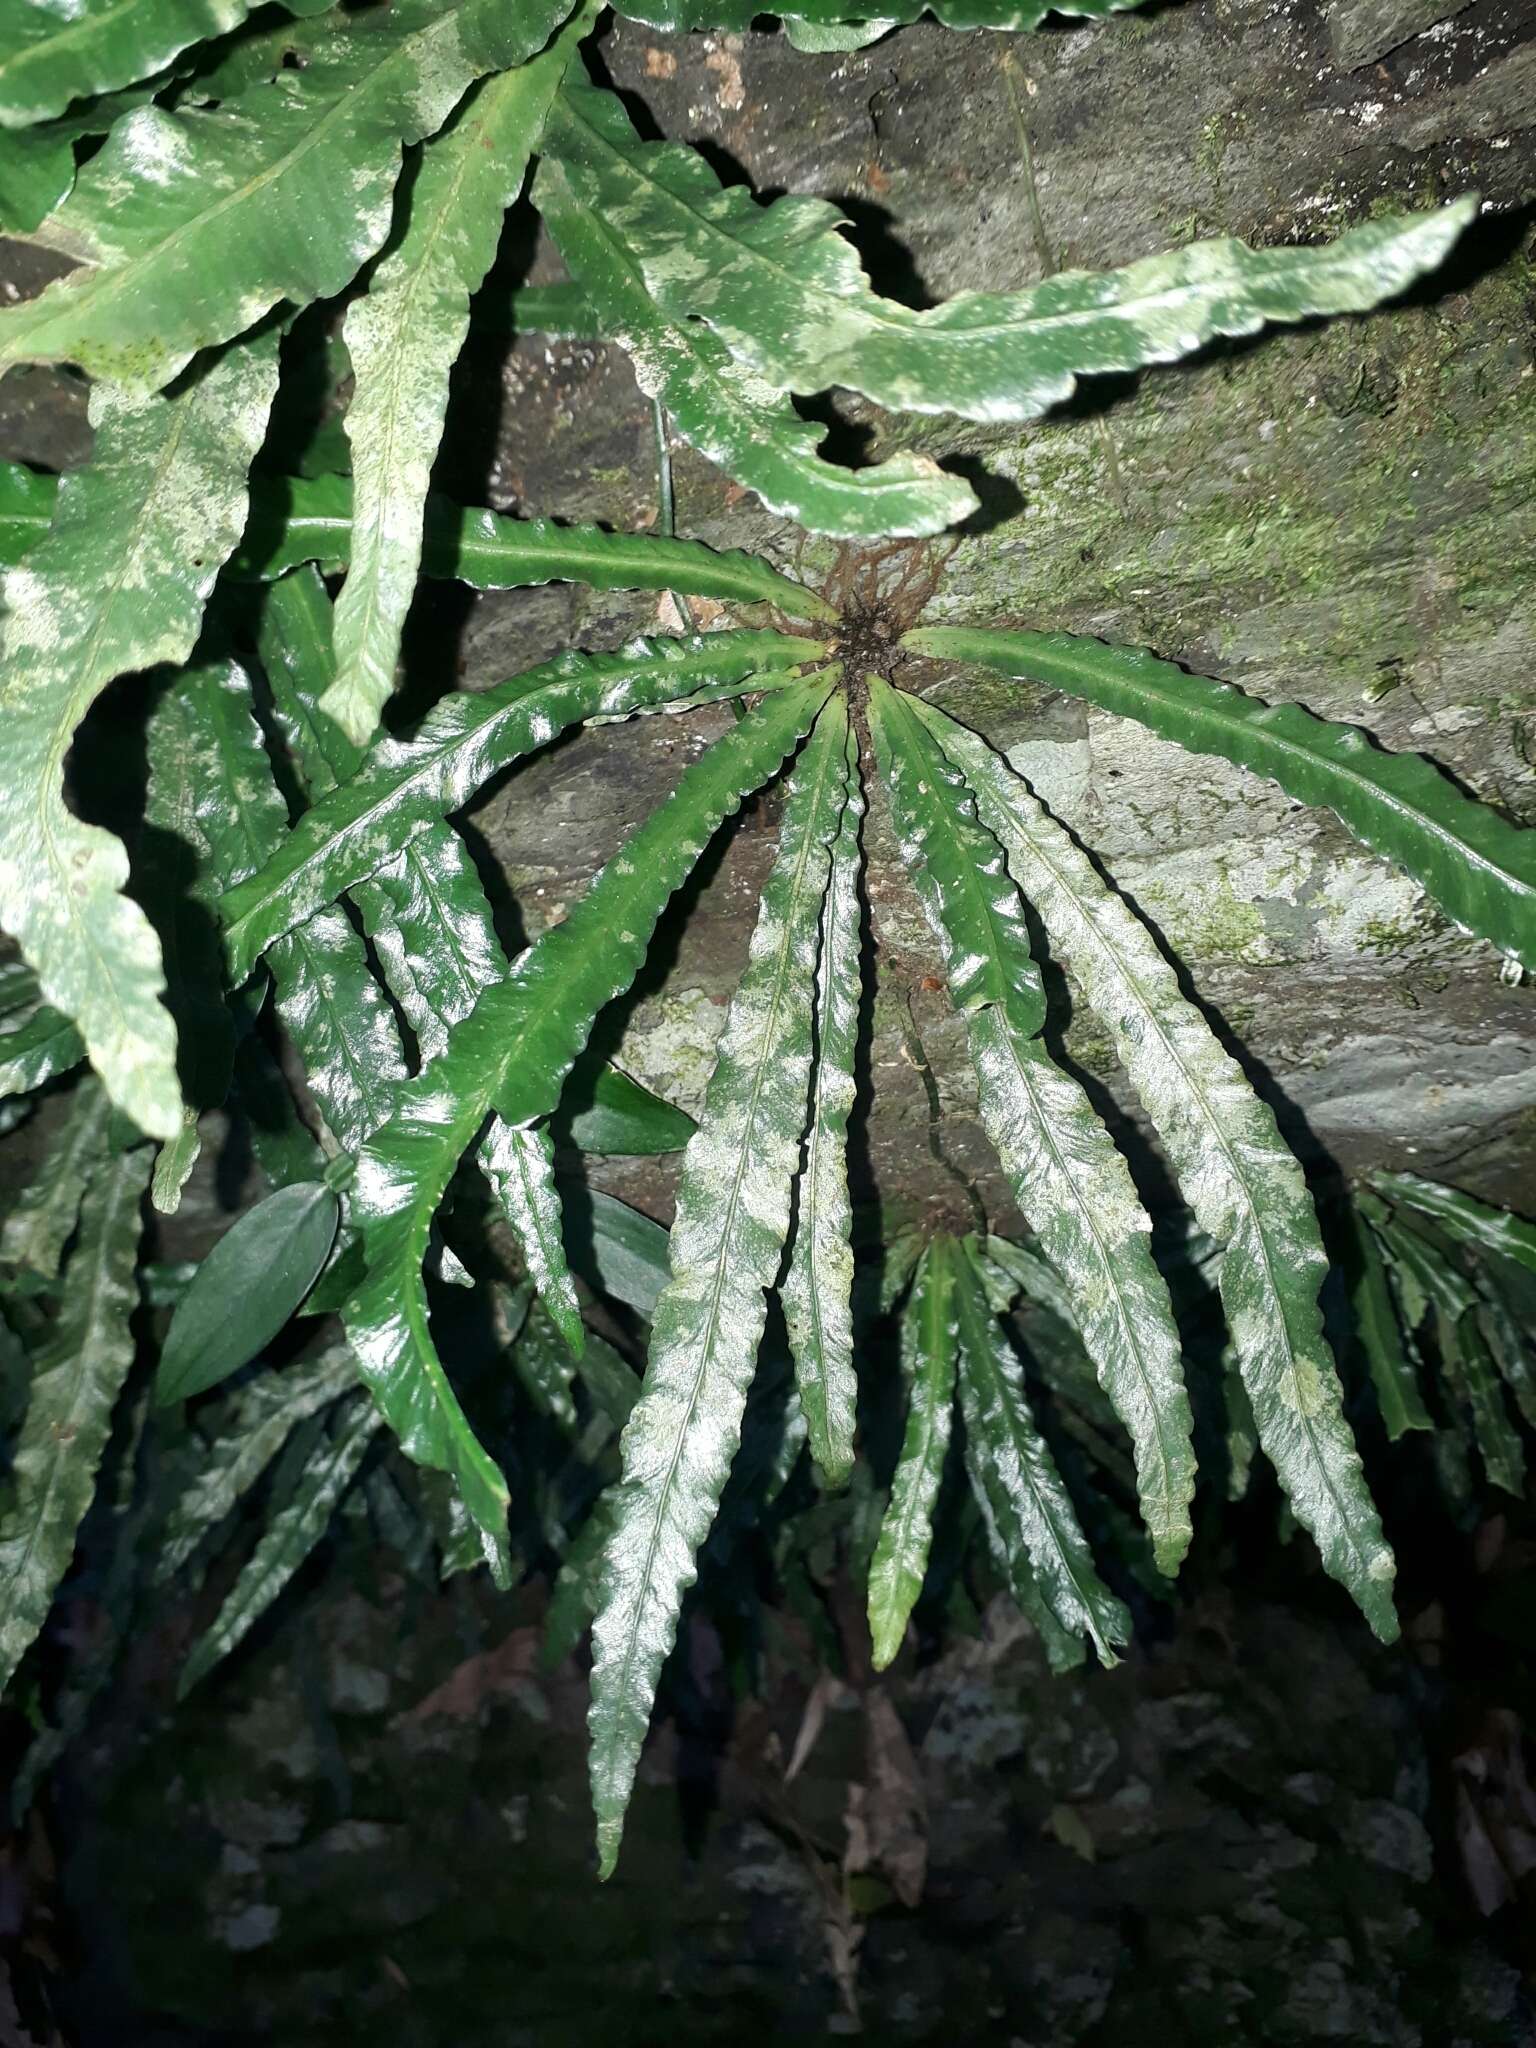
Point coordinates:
[(250, 169)]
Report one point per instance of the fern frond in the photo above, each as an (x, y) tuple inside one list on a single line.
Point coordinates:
[(513, 1052), (727, 1241), (788, 297), (1070, 1182), (1246, 1190), (406, 787), (1478, 867)]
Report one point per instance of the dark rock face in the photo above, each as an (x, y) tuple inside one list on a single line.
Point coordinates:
[(365, 1832)]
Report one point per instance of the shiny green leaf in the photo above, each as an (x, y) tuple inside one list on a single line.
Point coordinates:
[(789, 298), (84, 607), (27, 501), (294, 520), (280, 193), (606, 1113), (542, 1359), (618, 1250), (404, 335), (1479, 868), (1071, 1183), (520, 1166), (1474, 1222), (253, 1280), (1245, 1189), (53, 54), (425, 911), (513, 1051), (929, 1344), (740, 421), (406, 787), (327, 997), (44, 1045), (1017, 1482), (817, 1293), (733, 1209), (321, 1465), (77, 1378)]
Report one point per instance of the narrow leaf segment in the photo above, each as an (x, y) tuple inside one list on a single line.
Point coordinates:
[(727, 1241), (1071, 1183), (406, 787), (1245, 1188), (76, 1381), (929, 1343), (403, 336), (1479, 868), (817, 1294)]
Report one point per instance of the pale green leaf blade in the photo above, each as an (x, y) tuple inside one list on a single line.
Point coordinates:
[(281, 192), (36, 1230), (746, 425), (37, 170), (1387, 1357), (1017, 1477), (929, 1345), (817, 1294), (76, 1381), (520, 1166), (292, 1533), (727, 1241), (1474, 1222), (821, 38), (514, 1051), (406, 787), (248, 1286), (51, 55), (162, 504), (1071, 1183), (298, 519), (404, 335), (1478, 867), (261, 1417), (1245, 1188), (788, 297)]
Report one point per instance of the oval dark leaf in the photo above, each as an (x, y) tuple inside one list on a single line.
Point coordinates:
[(604, 1111), (246, 1289)]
